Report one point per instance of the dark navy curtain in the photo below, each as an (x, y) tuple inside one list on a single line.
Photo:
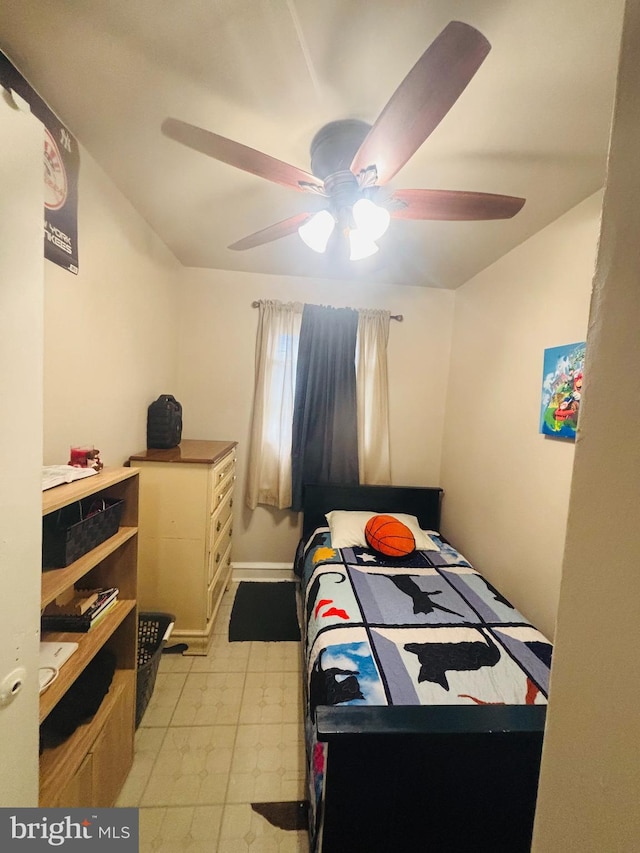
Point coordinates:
[(324, 447)]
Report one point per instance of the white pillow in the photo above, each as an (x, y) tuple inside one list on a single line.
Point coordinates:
[(347, 529)]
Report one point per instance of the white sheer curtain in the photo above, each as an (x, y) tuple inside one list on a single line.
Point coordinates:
[(269, 475), (373, 396)]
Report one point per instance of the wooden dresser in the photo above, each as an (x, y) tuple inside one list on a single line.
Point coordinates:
[(185, 533)]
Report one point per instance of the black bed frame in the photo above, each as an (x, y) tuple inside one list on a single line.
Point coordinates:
[(443, 779)]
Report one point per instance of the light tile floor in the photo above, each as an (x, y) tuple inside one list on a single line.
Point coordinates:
[(221, 731)]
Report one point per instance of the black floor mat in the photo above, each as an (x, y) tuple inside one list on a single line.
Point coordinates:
[(264, 612)]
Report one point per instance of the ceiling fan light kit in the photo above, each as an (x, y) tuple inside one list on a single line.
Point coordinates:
[(351, 160), (355, 214)]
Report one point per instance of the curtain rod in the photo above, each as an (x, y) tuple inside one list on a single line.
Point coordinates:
[(398, 317)]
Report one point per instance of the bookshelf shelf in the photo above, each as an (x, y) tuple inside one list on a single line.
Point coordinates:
[(56, 581)]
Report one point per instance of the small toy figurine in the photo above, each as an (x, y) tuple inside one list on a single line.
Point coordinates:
[(93, 459)]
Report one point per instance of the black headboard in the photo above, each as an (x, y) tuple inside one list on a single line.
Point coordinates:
[(421, 501)]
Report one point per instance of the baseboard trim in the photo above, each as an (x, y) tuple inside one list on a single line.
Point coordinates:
[(263, 572)]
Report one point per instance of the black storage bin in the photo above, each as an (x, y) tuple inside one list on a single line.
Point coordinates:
[(153, 633), (74, 530), (164, 423), (81, 701)]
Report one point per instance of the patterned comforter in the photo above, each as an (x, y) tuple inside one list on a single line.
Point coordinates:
[(426, 629)]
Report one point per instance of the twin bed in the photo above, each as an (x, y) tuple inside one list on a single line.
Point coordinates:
[(425, 690)]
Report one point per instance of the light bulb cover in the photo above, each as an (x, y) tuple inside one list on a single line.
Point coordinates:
[(370, 218), (315, 232)]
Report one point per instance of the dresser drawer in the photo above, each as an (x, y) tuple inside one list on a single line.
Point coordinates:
[(220, 545), (218, 583), (222, 477), (223, 494), (221, 513)]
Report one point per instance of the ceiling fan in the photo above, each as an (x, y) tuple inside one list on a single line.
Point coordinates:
[(351, 161)]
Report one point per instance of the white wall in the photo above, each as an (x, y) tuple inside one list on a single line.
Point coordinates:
[(216, 378), (110, 348), (506, 485), (590, 777), (111, 331), (21, 295)]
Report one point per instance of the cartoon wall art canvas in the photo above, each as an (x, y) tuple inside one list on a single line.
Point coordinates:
[(561, 390)]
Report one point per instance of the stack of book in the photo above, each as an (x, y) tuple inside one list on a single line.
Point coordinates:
[(80, 613)]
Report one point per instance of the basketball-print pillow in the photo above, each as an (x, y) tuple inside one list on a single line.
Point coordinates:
[(388, 536)]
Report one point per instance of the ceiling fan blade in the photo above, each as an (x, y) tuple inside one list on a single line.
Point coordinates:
[(453, 205), (272, 232), (240, 156), (422, 100)]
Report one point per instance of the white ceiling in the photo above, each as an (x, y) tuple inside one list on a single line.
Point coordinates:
[(533, 122)]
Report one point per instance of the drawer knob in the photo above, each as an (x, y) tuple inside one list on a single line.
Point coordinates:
[(218, 526), (217, 558), (231, 502)]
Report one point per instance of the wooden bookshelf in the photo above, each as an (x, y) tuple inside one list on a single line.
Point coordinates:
[(89, 768)]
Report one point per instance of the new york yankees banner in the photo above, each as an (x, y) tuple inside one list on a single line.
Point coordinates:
[(61, 166)]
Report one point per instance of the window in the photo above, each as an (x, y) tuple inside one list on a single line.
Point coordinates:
[(277, 344)]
